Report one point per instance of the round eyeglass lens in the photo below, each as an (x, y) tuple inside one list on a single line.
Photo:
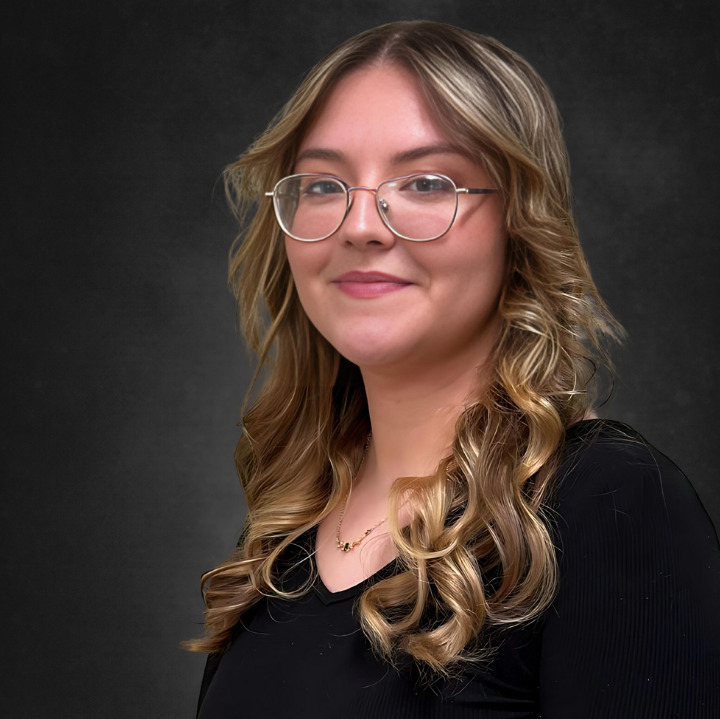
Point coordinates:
[(310, 207), (418, 207)]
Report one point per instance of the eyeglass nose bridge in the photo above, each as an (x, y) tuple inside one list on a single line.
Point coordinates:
[(380, 203)]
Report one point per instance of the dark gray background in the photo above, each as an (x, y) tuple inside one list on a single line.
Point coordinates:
[(123, 375)]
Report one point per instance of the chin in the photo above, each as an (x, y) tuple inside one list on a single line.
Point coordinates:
[(370, 344), (370, 357)]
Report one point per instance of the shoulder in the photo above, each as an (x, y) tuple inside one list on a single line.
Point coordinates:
[(608, 452), (610, 474), (630, 528), (621, 502)]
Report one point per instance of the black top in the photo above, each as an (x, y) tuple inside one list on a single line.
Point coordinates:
[(633, 632)]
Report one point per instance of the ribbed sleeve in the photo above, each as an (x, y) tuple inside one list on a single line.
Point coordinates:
[(634, 631)]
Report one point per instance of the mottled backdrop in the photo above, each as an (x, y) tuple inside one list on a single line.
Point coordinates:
[(123, 375)]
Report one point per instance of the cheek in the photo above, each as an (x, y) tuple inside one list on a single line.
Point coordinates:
[(298, 261), (479, 261), (477, 276), (306, 263)]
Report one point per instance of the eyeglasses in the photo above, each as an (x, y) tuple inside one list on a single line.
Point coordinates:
[(418, 207)]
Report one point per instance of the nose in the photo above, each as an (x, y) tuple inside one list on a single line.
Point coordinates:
[(363, 224)]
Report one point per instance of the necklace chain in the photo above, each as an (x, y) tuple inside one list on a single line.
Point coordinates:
[(347, 546)]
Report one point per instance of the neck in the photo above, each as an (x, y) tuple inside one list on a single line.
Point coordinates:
[(413, 420)]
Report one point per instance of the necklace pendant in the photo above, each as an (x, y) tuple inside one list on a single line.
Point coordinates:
[(346, 547)]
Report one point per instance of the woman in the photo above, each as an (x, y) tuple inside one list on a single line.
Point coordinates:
[(437, 526)]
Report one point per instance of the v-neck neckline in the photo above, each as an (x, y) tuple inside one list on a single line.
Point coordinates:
[(329, 597), (356, 590)]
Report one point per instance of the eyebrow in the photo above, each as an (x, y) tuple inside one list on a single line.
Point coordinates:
[(416, 153), (419, 152)]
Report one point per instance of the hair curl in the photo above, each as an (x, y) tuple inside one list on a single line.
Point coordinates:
[(478, 552)]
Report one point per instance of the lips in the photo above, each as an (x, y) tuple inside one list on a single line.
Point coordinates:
[(369, 284)]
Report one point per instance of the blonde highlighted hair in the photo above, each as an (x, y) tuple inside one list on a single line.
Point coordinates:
[(478, 553)]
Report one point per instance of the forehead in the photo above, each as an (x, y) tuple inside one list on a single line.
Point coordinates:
[(374, 108)]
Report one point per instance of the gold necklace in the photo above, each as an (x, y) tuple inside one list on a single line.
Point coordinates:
[(347, 546)]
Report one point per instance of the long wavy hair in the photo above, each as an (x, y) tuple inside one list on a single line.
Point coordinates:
[(478, 552)]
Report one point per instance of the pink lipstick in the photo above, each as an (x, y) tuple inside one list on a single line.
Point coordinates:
[(369, 284)]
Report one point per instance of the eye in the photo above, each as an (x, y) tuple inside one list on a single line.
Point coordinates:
[(322, 187), (427, 184)]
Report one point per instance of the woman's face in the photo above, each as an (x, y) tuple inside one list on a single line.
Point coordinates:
[(383, 302)]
